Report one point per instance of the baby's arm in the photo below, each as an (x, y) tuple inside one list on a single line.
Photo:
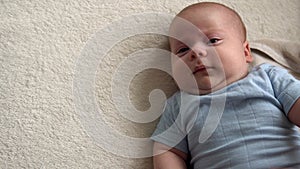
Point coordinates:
[(294, 113), (168, 158)]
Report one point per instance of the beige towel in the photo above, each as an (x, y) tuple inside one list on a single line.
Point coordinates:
[(277, 52)]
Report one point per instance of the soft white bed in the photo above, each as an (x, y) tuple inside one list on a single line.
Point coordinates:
[(282, 53)]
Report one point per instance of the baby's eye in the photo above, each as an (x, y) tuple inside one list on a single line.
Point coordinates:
[(213, 41), (182, 50)]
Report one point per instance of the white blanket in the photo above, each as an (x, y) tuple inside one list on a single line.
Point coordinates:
[(277, 52)]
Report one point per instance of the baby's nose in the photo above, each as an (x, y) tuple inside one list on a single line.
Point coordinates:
[(198, 51)]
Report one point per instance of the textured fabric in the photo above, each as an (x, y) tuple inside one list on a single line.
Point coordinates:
[(284, 53), (252, 130)]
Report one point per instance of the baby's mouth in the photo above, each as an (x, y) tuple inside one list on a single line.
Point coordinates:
[(199, 69)]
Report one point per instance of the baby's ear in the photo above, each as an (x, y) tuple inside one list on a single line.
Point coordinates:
[(247, 52)]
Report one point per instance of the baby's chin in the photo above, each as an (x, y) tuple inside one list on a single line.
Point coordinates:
[(199, 92), (201, 84), (203, 90), (196, 91)]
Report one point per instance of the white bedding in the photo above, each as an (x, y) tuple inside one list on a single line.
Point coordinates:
[(277, 52)]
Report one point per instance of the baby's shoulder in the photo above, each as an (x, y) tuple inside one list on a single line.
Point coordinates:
[(268, 68)]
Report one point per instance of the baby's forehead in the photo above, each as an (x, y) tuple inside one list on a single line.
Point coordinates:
[(197, 16), (197, 23), (207, 12), (205, 7)]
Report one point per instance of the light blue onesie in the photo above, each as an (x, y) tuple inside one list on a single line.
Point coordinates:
[(248, 125)]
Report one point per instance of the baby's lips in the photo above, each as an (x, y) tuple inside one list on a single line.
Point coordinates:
[(199, 69)]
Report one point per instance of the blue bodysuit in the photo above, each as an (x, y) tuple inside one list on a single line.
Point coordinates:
[(247, 125)]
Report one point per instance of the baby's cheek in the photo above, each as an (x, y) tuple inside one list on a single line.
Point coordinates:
[(180, 67), (179, 70), (183, 76)]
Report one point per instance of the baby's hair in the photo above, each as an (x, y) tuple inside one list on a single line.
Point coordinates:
[(233, 13)]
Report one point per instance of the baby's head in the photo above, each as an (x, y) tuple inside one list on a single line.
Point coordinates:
[(209, 41)]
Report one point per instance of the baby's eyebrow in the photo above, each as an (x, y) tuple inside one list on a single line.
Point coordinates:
[(177, 40), (188, 40), (213, 32)]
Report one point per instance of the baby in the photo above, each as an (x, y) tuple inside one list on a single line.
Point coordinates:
[(254, 113)]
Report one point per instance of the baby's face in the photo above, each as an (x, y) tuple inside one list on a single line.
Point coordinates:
[(209, 55)]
